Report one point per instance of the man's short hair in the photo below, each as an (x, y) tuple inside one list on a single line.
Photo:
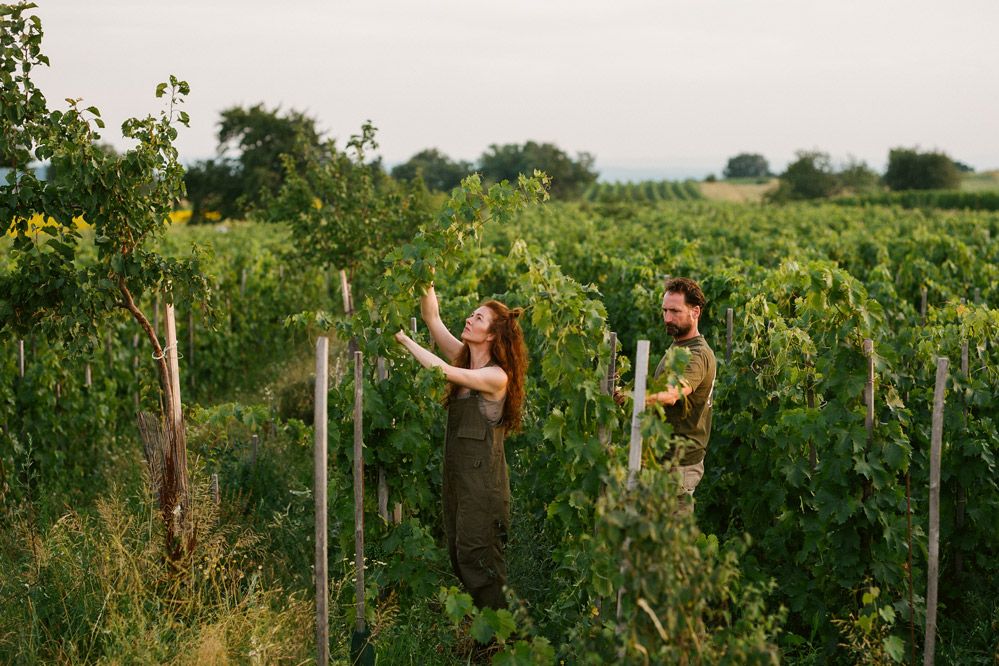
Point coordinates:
[(692, 294)]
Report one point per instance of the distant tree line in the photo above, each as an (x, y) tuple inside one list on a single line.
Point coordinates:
[(570, 177), (258, 146), (812, 174)]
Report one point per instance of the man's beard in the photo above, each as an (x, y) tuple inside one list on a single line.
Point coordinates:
[(677, 331)]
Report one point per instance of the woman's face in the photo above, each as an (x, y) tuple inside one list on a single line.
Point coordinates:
[(477, 326)]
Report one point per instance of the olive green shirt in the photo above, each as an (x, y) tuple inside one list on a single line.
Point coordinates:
[(690, 416)]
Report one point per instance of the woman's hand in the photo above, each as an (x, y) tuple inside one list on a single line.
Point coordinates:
[(401, 337)]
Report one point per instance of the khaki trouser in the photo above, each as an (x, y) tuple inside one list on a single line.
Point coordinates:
[(476, 502), (689, 477)]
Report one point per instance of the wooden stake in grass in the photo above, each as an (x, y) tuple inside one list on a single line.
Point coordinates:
[(348, 305), (933, 566), (87, 376), (922, 305), (319, 491), (20, 359), (360, 647), (383, 511), (383, 491), (635, 445), (176, 436)]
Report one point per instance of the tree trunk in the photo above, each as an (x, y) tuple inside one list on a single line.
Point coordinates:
[(165, 441)]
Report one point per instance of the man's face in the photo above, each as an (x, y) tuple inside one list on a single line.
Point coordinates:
[(677, 315)]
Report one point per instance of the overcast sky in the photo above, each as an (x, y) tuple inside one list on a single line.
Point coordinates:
[(652, 89)]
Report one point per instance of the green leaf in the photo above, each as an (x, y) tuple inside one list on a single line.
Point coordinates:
[(895, 648), (160, 90), (484, 626)]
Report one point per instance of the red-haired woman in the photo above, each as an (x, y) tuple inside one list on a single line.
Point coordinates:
[(485, 370)]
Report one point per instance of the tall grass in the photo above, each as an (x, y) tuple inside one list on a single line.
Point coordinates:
[(95, 587)]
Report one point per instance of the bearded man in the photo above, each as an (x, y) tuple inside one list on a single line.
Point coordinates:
[(687, 406)]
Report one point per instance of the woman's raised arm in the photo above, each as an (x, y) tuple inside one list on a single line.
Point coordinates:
[(490, 380), (449, 345)]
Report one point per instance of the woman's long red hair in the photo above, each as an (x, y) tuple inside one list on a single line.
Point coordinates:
[(508, 352)]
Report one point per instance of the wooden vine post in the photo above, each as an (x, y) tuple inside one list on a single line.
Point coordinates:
[(348, 302), (319, 492), (360, 648), (20, 359), (922, 305), (383, 491), (635, 444), (178, 438), (933, 566), (634, 450)]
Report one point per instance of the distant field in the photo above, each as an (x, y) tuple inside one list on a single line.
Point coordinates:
[(978, 182), (739, 191)]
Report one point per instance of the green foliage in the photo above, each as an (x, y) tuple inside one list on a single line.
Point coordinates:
[(126, 198), (867, 634), (987, 200), (682, 596), (858, 178), (261, 140), (810, 176), (910, 169), (439, 172), (487, 625), (213, 187), (747, 165), (341, 214), (569, 177)]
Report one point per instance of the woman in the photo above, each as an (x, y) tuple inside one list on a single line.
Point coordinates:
[(485, 372)]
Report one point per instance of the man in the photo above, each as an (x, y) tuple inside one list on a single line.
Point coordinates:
[(687, 406)]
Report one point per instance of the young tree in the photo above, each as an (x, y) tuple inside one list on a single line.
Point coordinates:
[(213, 186), (810, 176), (909, 169), (747, 165), (342, 209), (249, 168), (439, 172), (858, 178), (568, 177), (51, 289)]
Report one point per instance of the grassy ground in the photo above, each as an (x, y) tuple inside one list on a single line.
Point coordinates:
[(746, 190), (980, 182)]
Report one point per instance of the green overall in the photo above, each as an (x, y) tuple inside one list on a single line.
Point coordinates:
[(476, 501)]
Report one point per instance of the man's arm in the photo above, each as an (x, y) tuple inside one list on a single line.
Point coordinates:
[(670, 396), (693, 375)]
